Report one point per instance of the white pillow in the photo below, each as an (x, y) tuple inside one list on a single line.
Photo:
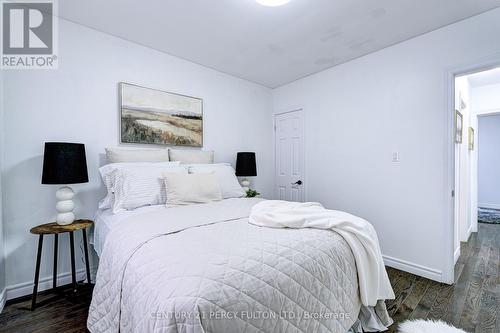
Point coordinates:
[(141, 186), (120, 155), (225, 174), (107, 170), (191, 156), (185, 189)]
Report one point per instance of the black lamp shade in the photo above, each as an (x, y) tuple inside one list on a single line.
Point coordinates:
[(245, 165), (64, 163)]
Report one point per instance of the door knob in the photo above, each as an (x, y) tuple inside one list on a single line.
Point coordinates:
[(298, 182)]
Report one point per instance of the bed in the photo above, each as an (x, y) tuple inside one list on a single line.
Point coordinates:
[(204, 268)]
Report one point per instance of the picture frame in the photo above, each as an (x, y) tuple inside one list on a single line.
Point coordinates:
[(459, 123), (156, 117), (471, 138)]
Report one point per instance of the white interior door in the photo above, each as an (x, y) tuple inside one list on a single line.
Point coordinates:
[(289, 156)]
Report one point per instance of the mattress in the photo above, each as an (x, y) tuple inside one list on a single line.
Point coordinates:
[(204, 268), (105, 221)]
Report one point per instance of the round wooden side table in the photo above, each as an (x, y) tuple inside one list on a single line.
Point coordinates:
[(56, 229)]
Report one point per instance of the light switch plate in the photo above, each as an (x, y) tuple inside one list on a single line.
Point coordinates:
[(395, 156)]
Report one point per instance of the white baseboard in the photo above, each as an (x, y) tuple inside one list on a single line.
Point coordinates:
[(488, 205), (44, 283), (456, 254), (416, 269), (3, 299), (469, 232)]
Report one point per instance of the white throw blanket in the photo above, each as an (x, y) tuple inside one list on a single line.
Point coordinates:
[(374, 283)]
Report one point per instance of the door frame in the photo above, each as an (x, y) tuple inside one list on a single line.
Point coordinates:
[(304, 164), (481, 64)]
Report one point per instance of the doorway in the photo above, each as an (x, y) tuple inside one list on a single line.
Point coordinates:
[(488, 161), (476, 154), (289, 156)]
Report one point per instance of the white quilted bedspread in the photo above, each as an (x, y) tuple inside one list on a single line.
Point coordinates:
[(204, 268)]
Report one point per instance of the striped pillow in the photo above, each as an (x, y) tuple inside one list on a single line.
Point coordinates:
[(141, 186), (107, 171)]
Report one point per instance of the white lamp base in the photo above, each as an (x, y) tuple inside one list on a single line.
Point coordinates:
[(65, 205), (245, 184)]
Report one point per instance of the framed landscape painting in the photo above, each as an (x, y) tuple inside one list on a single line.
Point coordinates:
[(151, 116)]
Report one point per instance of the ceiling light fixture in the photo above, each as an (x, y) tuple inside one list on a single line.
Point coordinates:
[(273, 3)]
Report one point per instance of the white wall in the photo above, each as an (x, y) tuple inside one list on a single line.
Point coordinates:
[(360, 112), (462, 166), (489, 161), (79, 103), (486, 98)]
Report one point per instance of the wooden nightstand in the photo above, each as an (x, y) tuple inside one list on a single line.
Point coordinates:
[(55, 229)]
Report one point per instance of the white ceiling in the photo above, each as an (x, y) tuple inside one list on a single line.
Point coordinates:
[(485, 78), (269, 45)]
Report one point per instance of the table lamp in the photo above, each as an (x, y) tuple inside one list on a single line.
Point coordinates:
[(245, 167), (64, 163)]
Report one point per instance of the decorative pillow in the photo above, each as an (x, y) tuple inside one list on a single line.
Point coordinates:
[(141, 186), (108, 179), (191, 156), (225, 174), (119, 155), (185, 189)]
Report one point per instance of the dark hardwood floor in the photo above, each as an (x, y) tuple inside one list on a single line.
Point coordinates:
[(472, 303), (54, 312)]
